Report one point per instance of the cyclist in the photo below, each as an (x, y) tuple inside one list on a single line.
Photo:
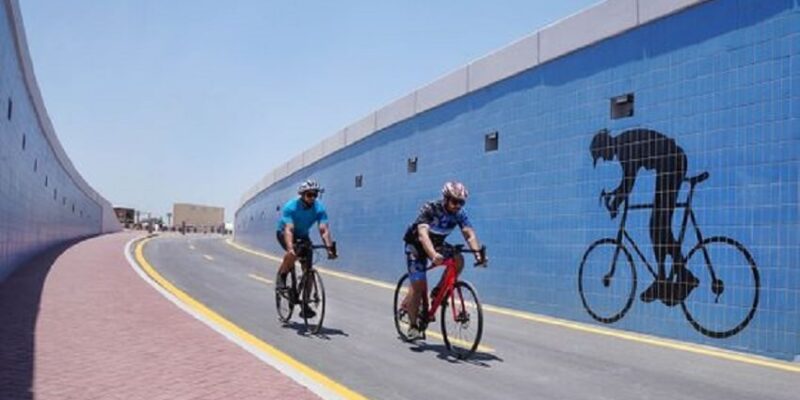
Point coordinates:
[(297, 217), (425, 240), (643, 148)]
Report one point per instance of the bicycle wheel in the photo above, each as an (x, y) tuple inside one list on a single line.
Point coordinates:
[(607, 284), (313, 307), (721, 308), (400, 315), (284, 300), (462, 320)]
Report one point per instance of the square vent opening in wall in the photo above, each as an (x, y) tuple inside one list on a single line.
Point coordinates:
[(491, 141), (622, 106), (412, 165)]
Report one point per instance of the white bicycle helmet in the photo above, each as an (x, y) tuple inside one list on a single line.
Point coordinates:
[(308, 186), (455, 190)]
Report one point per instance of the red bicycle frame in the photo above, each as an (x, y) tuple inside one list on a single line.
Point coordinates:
[(448, 283)]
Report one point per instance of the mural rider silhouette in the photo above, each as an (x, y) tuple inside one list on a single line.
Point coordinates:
[(638, 149)]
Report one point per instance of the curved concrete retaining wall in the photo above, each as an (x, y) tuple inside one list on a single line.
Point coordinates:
[(720, 79), (43, 199)]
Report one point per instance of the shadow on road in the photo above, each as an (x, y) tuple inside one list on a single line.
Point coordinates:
[(478, 358), (20, 298), (324, 333)]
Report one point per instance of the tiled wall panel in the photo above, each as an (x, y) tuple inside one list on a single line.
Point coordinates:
[(720, 79), (41, 203)]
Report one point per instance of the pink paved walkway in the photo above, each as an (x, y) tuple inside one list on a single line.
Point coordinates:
[(78, 323)]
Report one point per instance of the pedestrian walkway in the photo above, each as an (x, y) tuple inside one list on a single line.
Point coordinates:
[(78, 323)]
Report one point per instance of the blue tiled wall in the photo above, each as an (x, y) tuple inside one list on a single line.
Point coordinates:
[(40, 205), (722, 79)]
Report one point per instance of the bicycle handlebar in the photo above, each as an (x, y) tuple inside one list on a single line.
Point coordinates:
[(301, 243), (460, 248)]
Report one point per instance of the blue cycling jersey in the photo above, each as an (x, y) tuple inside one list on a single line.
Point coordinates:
[(303, 218)]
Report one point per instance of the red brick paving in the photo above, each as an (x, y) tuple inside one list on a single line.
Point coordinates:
[(78, 323)]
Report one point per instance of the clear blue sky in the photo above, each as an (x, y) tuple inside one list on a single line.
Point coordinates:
[(159, 102)]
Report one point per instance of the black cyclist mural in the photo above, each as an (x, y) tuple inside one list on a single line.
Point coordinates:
[(716, 283)]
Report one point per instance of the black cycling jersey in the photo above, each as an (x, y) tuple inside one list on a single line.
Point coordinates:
[(440, 221)]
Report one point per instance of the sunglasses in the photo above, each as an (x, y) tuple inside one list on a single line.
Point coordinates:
[(311, 195), (456, 202)]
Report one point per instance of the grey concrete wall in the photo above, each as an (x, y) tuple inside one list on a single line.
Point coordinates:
[(43, 199)]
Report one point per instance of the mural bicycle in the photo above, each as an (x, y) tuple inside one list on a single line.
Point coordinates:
[(717, 284)]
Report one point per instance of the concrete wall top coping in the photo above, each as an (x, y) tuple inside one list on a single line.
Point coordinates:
[(598, 22), (109, 220)]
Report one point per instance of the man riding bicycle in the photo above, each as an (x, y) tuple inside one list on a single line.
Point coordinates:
[(297, 217), (425, 239), (637, 149)]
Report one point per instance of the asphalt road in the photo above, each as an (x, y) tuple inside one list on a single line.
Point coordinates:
[(359, 347)]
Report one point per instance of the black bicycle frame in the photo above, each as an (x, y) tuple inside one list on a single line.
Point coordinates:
[(305, 252), (305, 255), (688, 215)]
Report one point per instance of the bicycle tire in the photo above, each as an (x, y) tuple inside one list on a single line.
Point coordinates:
[(397, 313), (614, 315), (462, 318), (284, 303), (753, 305), (313, 298)]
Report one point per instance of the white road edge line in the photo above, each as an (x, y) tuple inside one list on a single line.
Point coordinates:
[(318, 389)]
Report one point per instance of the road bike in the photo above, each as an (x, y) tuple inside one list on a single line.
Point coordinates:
[(308, 292), (607, 276), (457, 296)]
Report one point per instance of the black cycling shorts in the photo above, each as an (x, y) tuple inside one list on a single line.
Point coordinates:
[(282, 239)]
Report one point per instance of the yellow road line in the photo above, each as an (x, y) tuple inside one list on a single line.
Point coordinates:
[(641, 338), (240, 333), (260, 279), (246, 250), (325, 271), (635, 337), (367, 281)]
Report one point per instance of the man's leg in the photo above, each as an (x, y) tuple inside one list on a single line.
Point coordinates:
[(416, 291), (307, 311), (667, 186), (286, 264), (288, 261), (657, 289), (415, 296), (682, 281)]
